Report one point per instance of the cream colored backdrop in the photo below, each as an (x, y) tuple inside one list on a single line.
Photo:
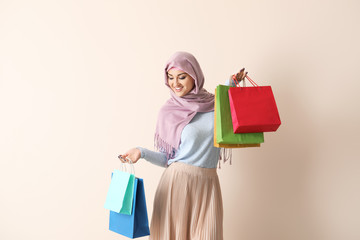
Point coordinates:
[(82, 81)]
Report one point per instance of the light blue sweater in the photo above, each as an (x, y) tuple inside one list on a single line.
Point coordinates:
[(196, 144)]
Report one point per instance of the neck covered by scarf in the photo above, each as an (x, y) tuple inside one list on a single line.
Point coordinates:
[(177, 112)]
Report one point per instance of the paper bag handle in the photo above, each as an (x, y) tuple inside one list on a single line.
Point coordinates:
[(123, 166), (248, 78)]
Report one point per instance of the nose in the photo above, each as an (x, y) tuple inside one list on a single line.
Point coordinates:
[(176, 82)]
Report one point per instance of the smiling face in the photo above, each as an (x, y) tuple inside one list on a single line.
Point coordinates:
[(180, 82)]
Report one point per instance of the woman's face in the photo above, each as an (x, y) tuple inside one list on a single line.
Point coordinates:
[(180, 82)]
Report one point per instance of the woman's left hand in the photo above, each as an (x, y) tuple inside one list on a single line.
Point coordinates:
[(240, 75)]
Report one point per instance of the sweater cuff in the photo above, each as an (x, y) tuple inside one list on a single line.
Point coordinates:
[(142, 152)]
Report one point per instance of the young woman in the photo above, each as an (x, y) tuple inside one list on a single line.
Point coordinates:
[(188, 202)]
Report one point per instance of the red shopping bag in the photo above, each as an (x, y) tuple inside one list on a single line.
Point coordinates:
[(253, 109)]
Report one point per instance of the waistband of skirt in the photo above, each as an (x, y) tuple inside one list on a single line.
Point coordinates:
[(191, 169)]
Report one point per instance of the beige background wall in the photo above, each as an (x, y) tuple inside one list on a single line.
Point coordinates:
[(82, 81)]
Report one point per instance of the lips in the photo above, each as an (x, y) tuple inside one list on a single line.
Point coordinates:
[(178, 89)]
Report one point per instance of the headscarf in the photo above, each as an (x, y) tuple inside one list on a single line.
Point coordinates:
[(177, 112)]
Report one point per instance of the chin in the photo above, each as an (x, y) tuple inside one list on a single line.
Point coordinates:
[(178, 94)]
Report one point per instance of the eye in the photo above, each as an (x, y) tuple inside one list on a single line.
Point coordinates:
[(182, 77)]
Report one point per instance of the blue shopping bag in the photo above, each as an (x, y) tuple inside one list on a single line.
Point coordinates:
[(134, 225)]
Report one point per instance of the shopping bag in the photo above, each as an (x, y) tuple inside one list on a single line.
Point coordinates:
[(224, 127), (220, 145), (134, 225), (253, 109), (121, 191)]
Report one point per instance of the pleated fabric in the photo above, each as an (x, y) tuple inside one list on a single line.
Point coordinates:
[(187, 205)]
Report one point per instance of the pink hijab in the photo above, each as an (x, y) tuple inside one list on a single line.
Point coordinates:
[(177, 112)]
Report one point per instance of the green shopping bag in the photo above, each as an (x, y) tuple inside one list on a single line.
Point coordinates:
[(224, 127), (121, 192)]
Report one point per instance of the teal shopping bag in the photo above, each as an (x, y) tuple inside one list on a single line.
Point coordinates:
[(224, 126), (121, 192), (134, 225)]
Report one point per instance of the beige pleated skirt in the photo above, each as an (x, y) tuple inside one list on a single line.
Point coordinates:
[(187, 204)]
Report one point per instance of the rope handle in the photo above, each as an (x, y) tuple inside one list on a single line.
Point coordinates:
[(247, 77), (123, 166)]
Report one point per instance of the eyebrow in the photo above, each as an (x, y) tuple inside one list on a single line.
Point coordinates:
[(178, 75)]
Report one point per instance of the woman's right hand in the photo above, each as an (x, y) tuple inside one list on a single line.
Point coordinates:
[(133, 154)]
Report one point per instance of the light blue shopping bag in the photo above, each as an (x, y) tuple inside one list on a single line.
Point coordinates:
[(121, 192)]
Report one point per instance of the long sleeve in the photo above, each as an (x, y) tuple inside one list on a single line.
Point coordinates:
[(230, 82), (156, 158)]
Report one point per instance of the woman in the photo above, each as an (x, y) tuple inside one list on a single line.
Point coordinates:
[(188, 202)]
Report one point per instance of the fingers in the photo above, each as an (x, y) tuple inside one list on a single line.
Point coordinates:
[(241, 75), (120, 157), (125, 158)]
